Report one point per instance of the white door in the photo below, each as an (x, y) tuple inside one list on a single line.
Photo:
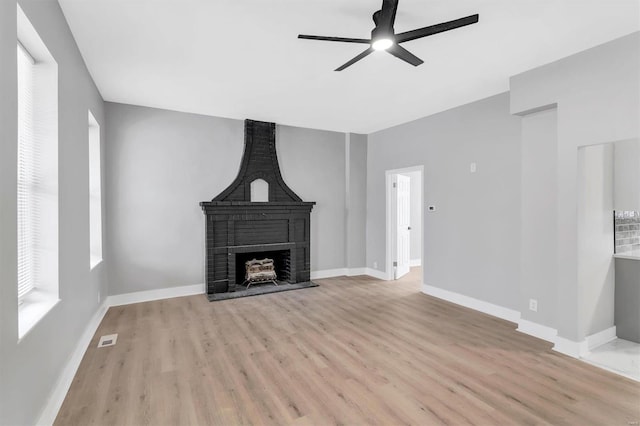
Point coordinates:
[(403, 216)]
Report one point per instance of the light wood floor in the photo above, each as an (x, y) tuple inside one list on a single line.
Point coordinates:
[(352, 351)]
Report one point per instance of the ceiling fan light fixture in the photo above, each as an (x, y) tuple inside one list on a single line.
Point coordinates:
[(382, 44), (383, 36)]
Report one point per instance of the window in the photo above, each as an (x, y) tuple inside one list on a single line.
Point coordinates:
[(95, 193), (37, 177), (28, 158)]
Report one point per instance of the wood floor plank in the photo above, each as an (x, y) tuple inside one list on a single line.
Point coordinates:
[(352, 351)]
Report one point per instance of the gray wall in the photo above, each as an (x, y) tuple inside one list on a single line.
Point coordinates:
[(627, 175), (538, 269), (312, 163), (356, 199), (477, 220), (597, 97), (30, 368), (161, 164)]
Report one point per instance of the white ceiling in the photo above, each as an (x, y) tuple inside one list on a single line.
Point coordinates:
[(242, 59)]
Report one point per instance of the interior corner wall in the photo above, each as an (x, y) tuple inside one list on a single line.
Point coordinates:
[(477, 219), (596, 270), (312, 163), (30, 368), (597, 93), (161, 164), (356, 200)]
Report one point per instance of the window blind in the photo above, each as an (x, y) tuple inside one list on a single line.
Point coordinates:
[(95, 195), (28, 182)]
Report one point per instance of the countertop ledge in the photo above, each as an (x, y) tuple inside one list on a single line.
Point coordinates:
[(634, 255)]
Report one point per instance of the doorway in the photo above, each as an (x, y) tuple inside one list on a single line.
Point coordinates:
[(404, 219), (609, 254)]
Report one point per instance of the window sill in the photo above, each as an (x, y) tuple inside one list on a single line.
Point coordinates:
[(95, 261), (34, 307)]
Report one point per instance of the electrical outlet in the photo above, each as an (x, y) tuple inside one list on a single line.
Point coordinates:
[(533, 305), (473, 167), (375, 265)]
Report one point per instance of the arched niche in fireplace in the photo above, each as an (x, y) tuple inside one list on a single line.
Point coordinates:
[(259, 191)]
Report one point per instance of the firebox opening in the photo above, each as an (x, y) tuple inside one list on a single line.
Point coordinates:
[(281, 260)]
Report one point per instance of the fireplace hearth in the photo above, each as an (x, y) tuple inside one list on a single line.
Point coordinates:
[(238, 230)]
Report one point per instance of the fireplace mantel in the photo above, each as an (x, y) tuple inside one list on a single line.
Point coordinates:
[(237, 227)]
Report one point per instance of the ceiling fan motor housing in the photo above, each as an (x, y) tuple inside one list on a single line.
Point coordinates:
[(379, 33)]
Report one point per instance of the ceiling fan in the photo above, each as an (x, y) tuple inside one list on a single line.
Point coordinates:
[(383, 36)]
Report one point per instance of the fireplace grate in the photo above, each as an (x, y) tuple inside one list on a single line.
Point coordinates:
[(260, 272)]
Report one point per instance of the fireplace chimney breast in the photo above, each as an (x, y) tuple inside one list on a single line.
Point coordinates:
[(237, 228), (259, 161)]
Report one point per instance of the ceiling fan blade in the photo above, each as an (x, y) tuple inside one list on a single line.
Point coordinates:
[(386, 16), (402, 53), (342, 39), (435, 29), (354, 60)]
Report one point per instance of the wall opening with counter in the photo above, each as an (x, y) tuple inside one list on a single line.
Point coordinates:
[(609, 228)]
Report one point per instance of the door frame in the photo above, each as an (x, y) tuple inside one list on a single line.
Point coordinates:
[(391, 230)]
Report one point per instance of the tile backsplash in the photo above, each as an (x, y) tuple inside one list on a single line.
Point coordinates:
[(627, 231)]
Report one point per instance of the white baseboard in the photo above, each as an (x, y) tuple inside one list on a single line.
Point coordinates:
[(470, 302), (60, 389), (149, 295), (570, 347), (562, 345), (376, 274), (602, 337), (415, 262), (537, 330)]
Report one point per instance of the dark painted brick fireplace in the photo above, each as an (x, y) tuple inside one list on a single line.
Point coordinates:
[(238, 229)]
